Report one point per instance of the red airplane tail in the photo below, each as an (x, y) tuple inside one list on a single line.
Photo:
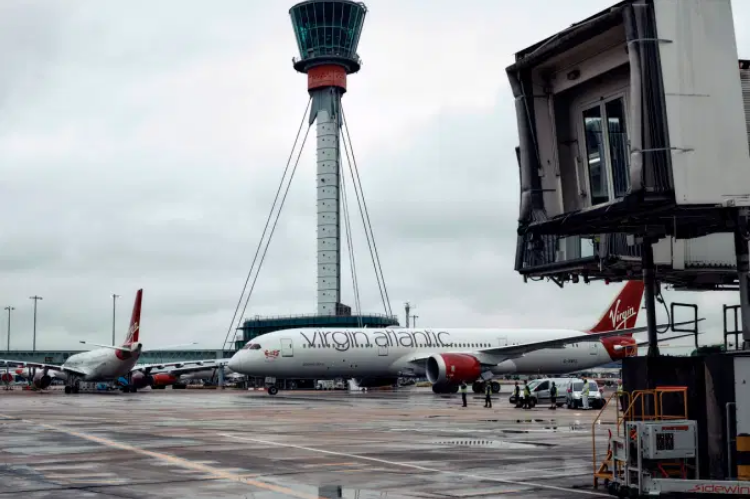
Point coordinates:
[(623, 312), (135, 320)]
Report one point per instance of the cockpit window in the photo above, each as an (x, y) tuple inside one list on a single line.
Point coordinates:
[(252, 346)]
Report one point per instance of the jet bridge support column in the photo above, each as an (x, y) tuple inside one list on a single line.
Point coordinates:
[(649, 281), (743, 270)]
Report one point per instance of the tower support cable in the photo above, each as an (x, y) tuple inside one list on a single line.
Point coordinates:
[(368, 236), (273, 227), (268, 221), (368, 223), (350, 244)]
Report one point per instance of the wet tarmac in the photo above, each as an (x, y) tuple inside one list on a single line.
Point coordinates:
[(246, 444)]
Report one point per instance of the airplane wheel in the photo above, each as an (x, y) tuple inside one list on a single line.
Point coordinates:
[(272, 390), (453, 389), (495, 387), (125, 389), (133, 389), (68, 389), (75, 389), (477, 387)]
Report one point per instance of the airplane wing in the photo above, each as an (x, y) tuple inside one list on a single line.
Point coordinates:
[(512, 351), (495, 355), (645, 342), (38, 365), (180, 367)]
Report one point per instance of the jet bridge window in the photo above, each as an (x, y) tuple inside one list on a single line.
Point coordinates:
[(606, 150)]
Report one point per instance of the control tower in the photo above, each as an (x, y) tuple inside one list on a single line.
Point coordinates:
[(327, 35)]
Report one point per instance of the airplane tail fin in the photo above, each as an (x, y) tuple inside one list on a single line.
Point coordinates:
[(623, 311), (135, 320)]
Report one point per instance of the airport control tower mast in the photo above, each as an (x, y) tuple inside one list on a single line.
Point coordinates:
[(327, 35)]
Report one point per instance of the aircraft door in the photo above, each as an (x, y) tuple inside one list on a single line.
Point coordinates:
[(287, 349), (383, 350), (592, 348), (502, 341)]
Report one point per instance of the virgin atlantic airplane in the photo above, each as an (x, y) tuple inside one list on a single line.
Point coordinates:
[(378, 357), (110, 363)]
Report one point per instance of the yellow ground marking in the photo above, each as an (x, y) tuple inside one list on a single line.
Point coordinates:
[(177, 461)]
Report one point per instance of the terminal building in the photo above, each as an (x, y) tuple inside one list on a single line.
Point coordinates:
[(252, 328)]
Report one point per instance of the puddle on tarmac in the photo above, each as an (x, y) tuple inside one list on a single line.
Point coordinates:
[(495, 444)]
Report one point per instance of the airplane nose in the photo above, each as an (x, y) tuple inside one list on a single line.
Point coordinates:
[(234, 362)]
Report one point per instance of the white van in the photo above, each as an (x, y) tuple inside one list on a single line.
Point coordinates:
[(573, 394), (540, 391)]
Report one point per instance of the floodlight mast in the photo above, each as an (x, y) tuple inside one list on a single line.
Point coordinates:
[(327, 34)]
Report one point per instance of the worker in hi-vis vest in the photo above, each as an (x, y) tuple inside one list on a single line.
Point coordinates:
[(488, 395), (621, 395), (585, 393), (526, 395), (463, 393)]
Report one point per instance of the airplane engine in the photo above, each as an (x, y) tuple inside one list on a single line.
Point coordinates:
[(163, 379), (140, 380), (375, 382), (452, 368), (41, 380)]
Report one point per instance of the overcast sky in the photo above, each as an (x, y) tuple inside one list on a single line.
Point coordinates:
[(141, 144)]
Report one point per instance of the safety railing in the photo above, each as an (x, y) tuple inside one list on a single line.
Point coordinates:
[(603, 471), (609, 467)]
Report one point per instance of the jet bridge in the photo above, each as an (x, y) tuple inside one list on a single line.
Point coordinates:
[(634, 154)]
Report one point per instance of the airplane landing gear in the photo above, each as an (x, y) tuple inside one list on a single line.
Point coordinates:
[(479, 386), (72, 387), (272, 390)]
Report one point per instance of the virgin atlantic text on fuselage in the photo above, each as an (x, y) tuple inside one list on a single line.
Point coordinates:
[(344, 340)]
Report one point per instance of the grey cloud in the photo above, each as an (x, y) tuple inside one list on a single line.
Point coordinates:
[(143, 145)]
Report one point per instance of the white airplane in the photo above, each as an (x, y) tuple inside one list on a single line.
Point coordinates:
[(378, 357), (204, 369), (106, 364)]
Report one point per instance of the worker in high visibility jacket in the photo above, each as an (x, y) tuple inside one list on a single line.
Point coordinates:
[(463, 393), (517, 394), (585, 393), (526, 395), (621, 396), (488, 395)]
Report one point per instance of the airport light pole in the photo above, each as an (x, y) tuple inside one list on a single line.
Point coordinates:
[(36, 299), (114, 307), (9, 309)]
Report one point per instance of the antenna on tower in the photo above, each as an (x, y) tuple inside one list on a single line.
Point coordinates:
[(407, 309)]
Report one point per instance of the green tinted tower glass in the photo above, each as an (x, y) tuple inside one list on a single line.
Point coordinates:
[(328, 32)]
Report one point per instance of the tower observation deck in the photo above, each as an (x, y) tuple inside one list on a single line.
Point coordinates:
[(327, 35)]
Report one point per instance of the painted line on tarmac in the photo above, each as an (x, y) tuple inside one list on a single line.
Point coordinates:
[(414, 466), (177, 461)]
